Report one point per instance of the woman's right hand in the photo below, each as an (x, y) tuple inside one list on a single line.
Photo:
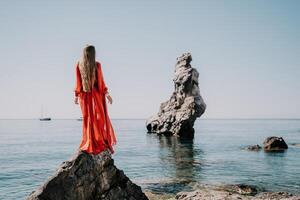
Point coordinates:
[(76, 100), (109, 98)]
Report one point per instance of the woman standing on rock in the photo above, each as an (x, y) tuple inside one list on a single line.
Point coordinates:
[(90, 92)]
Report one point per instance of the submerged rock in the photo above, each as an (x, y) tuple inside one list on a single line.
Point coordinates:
[(296, 144), (86, 176), (275, 144), (253, 147), (177, 115)]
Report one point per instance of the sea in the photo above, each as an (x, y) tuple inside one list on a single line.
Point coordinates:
[(31, 150)]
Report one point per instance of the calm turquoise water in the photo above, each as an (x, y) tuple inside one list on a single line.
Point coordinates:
[(31, 150)]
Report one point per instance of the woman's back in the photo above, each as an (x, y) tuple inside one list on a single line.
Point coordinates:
[(89, 79), (88, 76)]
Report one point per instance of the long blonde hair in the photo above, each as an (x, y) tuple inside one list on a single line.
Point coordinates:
[(87, 67)]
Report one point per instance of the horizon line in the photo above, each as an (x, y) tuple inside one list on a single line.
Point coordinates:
[(235, 118)]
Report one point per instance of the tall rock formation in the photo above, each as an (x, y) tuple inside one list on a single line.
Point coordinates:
[(88, 177), (177, 115)]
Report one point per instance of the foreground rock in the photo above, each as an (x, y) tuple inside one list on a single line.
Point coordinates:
[(241, 192), (221, 195), (275, 144), (90, 177), (240, 189), (177, 115)]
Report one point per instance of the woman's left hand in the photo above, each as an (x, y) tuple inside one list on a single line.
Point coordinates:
[(109, 98), (76, 100)]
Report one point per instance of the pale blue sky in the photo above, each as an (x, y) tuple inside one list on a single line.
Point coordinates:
[(247, 54)]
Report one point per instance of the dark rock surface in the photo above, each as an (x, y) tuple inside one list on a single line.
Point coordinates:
[(177, 115), (275, 144), (88, 177)]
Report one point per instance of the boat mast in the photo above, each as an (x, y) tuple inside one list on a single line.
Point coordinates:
[(42, 112)]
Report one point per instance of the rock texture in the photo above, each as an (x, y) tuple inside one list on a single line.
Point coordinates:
[(221, 195), (275, 144), (240, 189), (238, 192), (88, 177), (177, 115)]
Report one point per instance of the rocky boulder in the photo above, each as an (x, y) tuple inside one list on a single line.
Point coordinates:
[(177, 115), (275, 144), (86, 176)]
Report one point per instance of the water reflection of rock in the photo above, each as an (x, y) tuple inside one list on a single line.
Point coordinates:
[(179, 158)]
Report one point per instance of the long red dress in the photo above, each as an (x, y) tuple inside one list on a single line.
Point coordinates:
[(97, 130)]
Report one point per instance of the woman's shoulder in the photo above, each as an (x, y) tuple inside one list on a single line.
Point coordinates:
[(99, 66), (77, 63)]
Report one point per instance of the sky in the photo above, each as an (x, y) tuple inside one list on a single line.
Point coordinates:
[(246, 52)]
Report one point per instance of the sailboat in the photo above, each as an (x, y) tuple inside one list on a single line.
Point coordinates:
[(42, 118), (45, 119)]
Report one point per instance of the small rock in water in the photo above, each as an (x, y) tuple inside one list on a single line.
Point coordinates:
[(177, 115), (296, 144), (254, 147), (275, 144), (86, 176)]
